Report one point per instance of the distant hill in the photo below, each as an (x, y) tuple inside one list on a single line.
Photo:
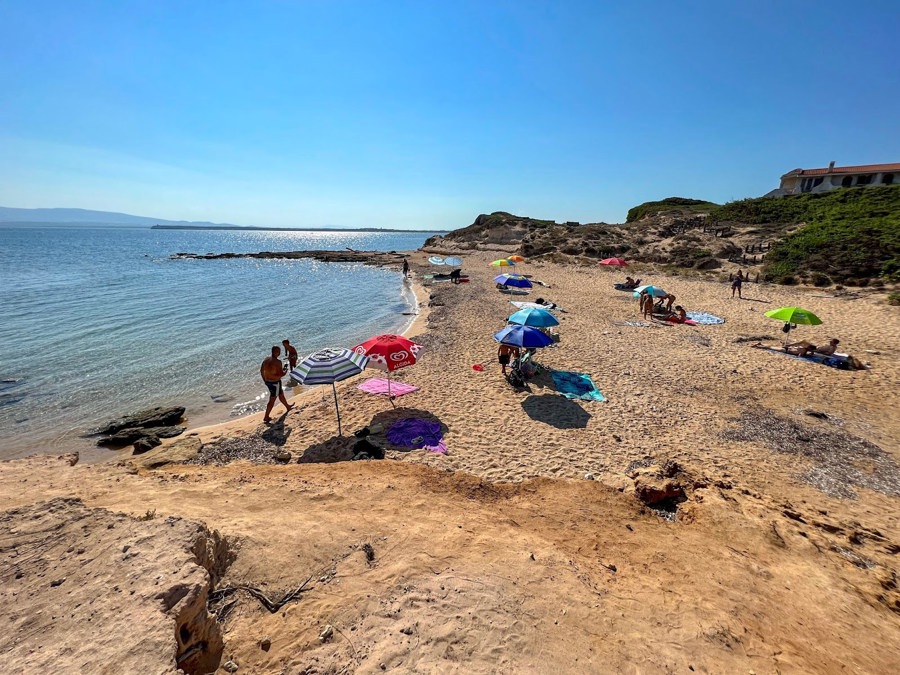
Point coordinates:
[(12, 215), (848, 236)]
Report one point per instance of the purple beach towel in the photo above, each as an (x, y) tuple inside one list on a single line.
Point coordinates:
[(379, 385), (417, 433)]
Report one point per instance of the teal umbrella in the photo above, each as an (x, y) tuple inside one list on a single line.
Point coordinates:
[(655, 291), (532, 316)]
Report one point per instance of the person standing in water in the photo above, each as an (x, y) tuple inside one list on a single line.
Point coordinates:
[(291, 354), (405, 267), (272, 370)]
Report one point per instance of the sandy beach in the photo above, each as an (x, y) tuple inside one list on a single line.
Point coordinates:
[(501, 557)]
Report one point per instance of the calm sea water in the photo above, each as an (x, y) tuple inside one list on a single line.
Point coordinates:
[(99, 322)]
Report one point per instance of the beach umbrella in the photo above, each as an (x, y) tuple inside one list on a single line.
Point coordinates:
[(389, 352), (516, 280), (516, 258), (532, 316), (655, 291), (614, 262), (328, 366), (522, 336), (453, 262), (502, 263), (793, 315), (435, 260)]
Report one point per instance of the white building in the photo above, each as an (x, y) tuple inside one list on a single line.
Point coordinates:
[(819, 180)]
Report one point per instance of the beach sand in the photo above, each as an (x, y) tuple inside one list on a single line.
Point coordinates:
[(501, 557)]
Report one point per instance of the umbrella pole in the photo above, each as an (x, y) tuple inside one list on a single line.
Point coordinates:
[(390, 396), (337, 408)]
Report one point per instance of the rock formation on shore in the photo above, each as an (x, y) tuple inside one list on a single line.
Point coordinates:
[(93, 591)]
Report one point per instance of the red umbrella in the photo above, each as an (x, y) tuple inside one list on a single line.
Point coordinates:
[(614, 262), (389, 352)]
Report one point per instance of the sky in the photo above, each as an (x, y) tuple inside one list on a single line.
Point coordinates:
[(423, 114)]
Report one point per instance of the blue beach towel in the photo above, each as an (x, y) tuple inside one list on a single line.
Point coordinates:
[(576, 385), (705, 318)]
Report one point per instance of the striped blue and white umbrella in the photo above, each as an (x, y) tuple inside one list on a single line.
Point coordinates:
[(328, 366)]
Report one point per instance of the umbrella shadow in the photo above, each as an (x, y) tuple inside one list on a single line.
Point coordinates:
[(335, 449), (557, 411), (768, 302), (387, 417)]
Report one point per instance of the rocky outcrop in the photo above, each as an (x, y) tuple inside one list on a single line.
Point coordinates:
[(154, 417), (143, 429), (87, 590), (182, 450)]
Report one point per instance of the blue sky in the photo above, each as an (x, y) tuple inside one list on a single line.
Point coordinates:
[(424, 114)]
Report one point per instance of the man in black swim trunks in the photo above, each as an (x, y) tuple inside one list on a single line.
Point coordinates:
[(736, 282), (272, 370)]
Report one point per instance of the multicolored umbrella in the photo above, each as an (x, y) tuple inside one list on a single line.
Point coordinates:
[(389, 352), (614, 262), (531, 316), (522, 336), (516, 258), (516, 280), (502, 263), (655, 291), (328, 366)]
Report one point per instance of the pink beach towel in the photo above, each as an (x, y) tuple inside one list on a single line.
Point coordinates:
[(379, 385)]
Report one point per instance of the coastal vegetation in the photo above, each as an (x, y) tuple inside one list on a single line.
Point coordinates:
[(684, 204), (848, 236)]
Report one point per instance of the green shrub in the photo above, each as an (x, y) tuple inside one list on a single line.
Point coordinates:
[(894, 299), (668, 204)]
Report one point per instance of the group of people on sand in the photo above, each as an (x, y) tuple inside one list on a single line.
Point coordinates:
[(663, 307), (272, 370)]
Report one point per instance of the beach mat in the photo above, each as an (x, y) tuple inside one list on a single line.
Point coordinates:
[(535, 305), (705, 318), (576, 385), (417, 433), (513, 291), (687, 322), (379, 385), (838, 363)]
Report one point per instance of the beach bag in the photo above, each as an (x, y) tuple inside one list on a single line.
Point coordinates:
[(786, 328)]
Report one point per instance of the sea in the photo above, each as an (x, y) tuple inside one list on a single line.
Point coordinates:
[(99, 321)]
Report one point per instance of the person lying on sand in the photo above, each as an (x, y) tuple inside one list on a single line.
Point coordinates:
[(805, 348), (546, 303)]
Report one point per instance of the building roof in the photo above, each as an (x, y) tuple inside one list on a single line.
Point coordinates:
[(864, 168)]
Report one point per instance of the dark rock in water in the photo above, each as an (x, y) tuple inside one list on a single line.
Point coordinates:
[(221, 398), (155, 417), (9, 399), (146, 443), (167, 432), (125, 436)]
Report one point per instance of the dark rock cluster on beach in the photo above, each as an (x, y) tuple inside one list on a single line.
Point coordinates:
[(143, 429)]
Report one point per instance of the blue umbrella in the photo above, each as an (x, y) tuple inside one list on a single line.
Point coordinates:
[(516, 280), (522, 336), (654, 291), (532, 316)]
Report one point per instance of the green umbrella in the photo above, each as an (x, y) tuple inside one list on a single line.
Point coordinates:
[(793, 315)]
